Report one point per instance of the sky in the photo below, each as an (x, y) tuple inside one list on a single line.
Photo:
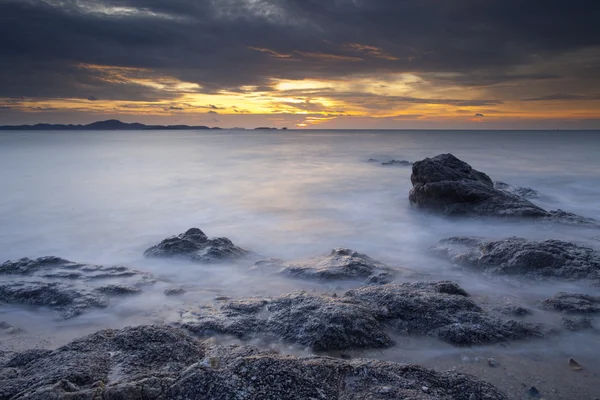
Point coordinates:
[(319, 64)]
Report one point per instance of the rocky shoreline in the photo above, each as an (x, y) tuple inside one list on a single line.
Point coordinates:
[(179, 361)]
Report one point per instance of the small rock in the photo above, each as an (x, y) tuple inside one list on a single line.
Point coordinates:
[(425, 389), (176, 291), (575, 366), (493, 363), (534, 393)]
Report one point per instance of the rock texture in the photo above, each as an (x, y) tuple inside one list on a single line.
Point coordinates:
[(573, 303), (517, 256), (360, 318), (194, 245), (162, 363), (527, 193), (450, 186), (67, 287), (339, 264)]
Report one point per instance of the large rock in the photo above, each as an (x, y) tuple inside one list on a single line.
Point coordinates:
[(339, 264), (163, 363), (64, 286), (360, 318), (194, 245), (517, 256), (450, 186)]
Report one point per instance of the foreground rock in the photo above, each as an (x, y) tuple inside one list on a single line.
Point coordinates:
[(517, 256), (159, 362), (340, 264), (450, 186), (359, 319), (194, 245), (67, 287)]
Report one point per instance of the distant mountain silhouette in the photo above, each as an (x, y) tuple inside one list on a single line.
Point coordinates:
[(109, 125)]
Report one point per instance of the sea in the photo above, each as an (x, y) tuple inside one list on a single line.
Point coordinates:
[(103, 197)]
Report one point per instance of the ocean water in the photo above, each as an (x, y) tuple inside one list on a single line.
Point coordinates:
[(104, 197)]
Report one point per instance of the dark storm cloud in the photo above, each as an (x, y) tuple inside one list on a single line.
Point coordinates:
[(563, 96), (227, 44)]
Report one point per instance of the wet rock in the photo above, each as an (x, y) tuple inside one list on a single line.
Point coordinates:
[(517, 256), (448, 185), (194, 245), (67, 287), (439, 309), (397, 162), (339, 264), (577, 324), (515, 311), (68, 300), (360, 318), (7, 328), (518, 190), (534, 393), (159, 362), (315, 321), (59, 268), (175, 291), (493, 363), (118, 290), (573, 303)]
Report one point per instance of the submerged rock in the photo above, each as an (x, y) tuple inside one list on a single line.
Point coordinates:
[(163, 363), (67, 287), (450, 186), (360, 318), (573, 303), (577, 324), (339, 264), (194, 245), (397, 162), (517, 256)]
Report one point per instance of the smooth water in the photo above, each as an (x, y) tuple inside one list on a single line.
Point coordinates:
[(104, 197)]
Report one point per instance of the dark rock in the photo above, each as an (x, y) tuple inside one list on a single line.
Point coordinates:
[(318, 322), (118, 290), (573, 303), (340, 264), (448, 185), (534, 393), (518, 190), (515, 311), (493, 363), (517, 256), (7, 328), (397, 162), (69, 300), (427, 308), (175, 291), (64, 286), (577, 324), (372, 160), (158, 362), (360, 318), (194, 245)]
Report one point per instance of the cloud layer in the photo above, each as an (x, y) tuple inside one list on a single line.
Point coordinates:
[(336, 58)]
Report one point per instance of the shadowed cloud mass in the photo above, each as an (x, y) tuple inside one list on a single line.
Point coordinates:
[(319, 63)]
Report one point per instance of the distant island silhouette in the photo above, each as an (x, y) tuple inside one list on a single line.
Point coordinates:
[(110, 125)]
